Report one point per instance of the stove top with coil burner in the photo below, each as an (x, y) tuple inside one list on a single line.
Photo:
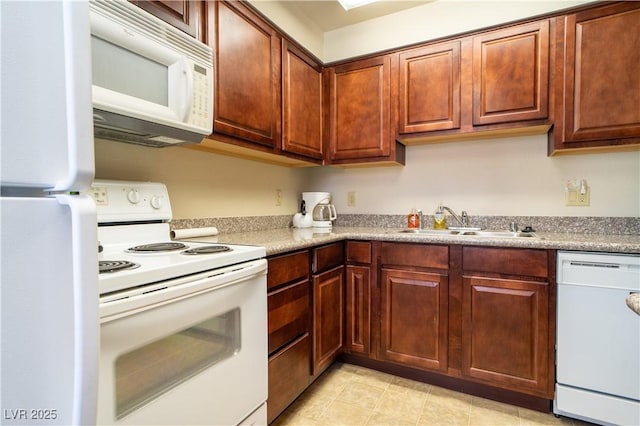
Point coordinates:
[(133, 230)]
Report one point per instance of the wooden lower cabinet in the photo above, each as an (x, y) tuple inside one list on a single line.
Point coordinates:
[(288, 375), (328, 318), (358, 282), (505, 333), (288, 314), (413, 285), (289, 327), (480, 319), (358, 311), (414, 318), (508, 318)]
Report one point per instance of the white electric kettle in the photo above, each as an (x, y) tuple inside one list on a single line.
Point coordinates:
[(302, 219)]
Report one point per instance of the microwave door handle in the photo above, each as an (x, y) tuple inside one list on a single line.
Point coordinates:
[(184, 89)]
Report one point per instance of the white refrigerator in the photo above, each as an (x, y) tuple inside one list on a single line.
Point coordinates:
[(48, 247)]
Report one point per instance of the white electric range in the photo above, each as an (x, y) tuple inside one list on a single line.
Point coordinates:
[(183, 325)]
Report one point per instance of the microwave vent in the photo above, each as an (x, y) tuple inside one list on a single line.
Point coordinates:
[(138, 20)]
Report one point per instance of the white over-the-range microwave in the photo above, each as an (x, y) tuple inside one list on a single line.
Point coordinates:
[(152, 84)]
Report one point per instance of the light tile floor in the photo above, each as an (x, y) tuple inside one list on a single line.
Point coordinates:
[(350, 395)]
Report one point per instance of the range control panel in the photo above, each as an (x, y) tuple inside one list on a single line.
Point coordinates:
[(126, 201)]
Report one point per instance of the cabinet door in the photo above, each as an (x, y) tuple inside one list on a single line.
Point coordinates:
[(360, 113), (248, 73), (302, 103), (183, 14), (601, 77), (505, 332), (429, 92), (328, 314), (414, 318), (358, 313), (511, 74)]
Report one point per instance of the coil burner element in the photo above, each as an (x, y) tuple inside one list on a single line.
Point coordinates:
[(207, 250), (157, 247), (115, 265)]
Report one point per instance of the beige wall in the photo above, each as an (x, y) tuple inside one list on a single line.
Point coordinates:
[(201, 184), (304, 32), (433, 20), (437, 19), (508, 176)]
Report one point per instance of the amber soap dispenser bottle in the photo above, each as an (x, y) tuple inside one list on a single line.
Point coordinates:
[(413, 220)]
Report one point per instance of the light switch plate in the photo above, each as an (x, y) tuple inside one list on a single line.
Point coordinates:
[(351, 199), (278, 198), (574, 196)]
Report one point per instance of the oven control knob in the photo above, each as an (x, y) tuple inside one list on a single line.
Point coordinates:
[(133, 196), (156, 202)]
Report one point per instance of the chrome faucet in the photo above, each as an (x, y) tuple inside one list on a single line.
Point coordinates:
[(463, 219)]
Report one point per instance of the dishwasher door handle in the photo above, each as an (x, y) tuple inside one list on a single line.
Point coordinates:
[(595, 264)]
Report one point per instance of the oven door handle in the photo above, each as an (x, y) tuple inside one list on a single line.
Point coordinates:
[(153, 296)]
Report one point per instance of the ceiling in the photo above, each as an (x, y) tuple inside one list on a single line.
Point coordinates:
[(329, 14)]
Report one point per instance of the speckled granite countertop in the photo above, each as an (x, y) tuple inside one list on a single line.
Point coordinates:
[(287, 239)]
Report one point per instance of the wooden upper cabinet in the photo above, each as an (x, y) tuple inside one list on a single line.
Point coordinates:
[(302, 103), (511, 74), (247, 70), (360, 113), (429, 92), (598, 87), (185, 15)]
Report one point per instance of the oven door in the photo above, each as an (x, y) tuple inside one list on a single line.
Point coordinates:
[(189, 351)]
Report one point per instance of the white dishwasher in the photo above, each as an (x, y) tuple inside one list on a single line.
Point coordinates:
[(598, 338)]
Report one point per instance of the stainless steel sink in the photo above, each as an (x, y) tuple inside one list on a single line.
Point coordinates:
[(500, 234), (471, 233), (430, 231)]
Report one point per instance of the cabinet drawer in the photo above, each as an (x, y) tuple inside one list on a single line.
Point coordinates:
[(511, 261), (358, 252), (289, 373), (288, 314), (421, 255), (328, 257), (288, 268)]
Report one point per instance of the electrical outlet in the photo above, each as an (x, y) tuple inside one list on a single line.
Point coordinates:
[(278, 197), (577, 193), (351, 199)]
